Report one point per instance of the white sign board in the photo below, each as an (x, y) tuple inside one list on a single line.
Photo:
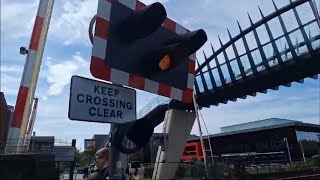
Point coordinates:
[(97, 101), (63, 153)]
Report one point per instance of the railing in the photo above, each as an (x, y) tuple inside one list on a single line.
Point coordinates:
[(63, 142), (285, 55), (195, 169), (9, 146), (160, 100), (226, 65)]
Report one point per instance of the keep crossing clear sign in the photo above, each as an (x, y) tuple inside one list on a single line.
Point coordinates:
[(97, 101)]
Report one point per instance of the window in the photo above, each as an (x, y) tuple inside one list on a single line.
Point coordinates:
[(308, 136), (190, 151), (309, 142)]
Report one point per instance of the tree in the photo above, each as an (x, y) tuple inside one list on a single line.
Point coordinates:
[(83, 159), (310, 147)]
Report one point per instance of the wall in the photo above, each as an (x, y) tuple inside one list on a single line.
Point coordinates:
[(271, 140), (4, 122)]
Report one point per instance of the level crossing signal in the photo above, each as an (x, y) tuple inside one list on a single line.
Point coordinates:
[(138, 46)]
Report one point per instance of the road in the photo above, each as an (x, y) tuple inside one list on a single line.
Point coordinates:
[(75, 177)]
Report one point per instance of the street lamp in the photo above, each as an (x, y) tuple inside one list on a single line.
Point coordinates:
[(286, 140)]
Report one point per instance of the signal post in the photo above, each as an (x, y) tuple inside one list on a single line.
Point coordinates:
[(139, 46)]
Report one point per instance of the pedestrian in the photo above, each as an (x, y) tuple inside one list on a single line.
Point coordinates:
[(85, 173), (102, 166), (136, 173)]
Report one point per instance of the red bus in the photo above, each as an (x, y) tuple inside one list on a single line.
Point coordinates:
[(193, 150)]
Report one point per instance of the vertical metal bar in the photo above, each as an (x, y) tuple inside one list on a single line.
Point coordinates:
[(274, 46), (31, 125), (263, 55), (72, 164), (33, 140), (286, 52), (298, 47), (213, 82), (196, 86), (243, 74), (246, 46), (115, 171), (289, 154), (201, 139), (284, 29), (315, 11), (232, 77), (204, 83), (208, 137), (302, 152), (223, 81), (303, 31)]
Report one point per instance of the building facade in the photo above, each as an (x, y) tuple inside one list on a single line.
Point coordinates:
[(281, 140), (95, 143), (4, 122)]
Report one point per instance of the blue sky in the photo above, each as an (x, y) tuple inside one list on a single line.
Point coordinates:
[(68, 52)]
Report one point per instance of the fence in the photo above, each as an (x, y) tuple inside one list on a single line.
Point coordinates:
[(151, 105), (270, 168), (33, 145), (221, 170)]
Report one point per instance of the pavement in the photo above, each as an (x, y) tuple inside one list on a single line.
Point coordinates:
[(75, 177)]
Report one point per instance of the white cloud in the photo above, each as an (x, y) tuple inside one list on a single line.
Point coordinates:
[(11, 69), (69, 26), (10, 79), (52, 120), (59, 74), (10, 84), (70, 23), (17, 18)]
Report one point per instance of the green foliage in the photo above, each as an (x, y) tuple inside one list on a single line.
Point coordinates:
[(310, 148), (314, 161), (83, 159), (185, 170)]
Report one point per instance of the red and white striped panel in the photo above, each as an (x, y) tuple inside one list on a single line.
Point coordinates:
[(28, 70), (101, 70)]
